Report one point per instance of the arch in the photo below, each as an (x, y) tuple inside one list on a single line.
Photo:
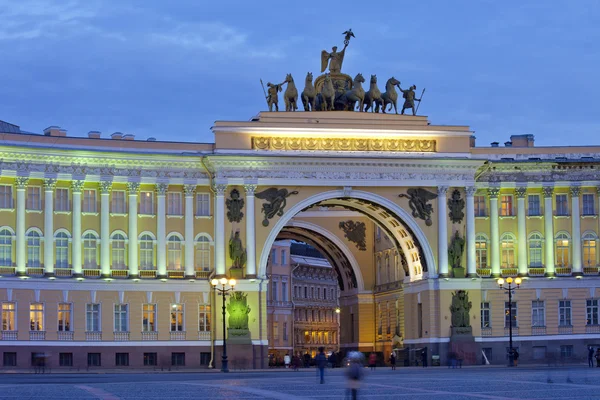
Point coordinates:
[(119, 232), (175, 234), (92, 232), (589, 235), (8, 228), (204, 235), (35, 229), (398, 212), (63, 231), (152, 236)]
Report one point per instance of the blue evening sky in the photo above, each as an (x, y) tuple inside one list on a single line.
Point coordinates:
[(169, 69)]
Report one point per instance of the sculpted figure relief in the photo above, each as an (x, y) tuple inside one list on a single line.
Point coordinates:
[(335, 58), (456, 206), (273, 98), (409, 98), (238, 310), (460, 309), (291, 94), (373, 96), (237, 252), (455, 250), (276, 202), (418, 199), (355, 232), (234, 204)]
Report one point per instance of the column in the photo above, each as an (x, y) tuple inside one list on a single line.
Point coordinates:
[(133, 189), (49, 185), (220, 267), (442, 232), (576, 230), (105, 188), (521, 232), (250, 232), (548, 230), (189, 191), (21, 183), (471, 255), (494, 232), (76, 188), (161, 231)]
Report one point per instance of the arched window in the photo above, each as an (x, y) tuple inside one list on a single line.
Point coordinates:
[(118, 252), (90, 248), (203, 254), (507, 246), (174, 253), (5, 248), (562, 242), (481, 246), (588, 241), (61, 243), (387, 268), (146, 252), (33, 249), (535, 250)]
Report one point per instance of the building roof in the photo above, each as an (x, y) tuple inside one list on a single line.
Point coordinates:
[(6, 127), (312, 261)]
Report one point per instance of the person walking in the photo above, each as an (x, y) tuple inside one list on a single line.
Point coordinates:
[(393, 361), (590, 356), (424, 357), (372, 361), (354, 373), (321, 362), (598, 357), (287, 360), (516, 357)]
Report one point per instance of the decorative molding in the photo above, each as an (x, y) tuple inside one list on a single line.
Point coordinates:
[(442, 190), (520, 192), (49, 184), (105, 187), (575, 191), (250, 188), (470, 191), (456, 205), (355, 232), (21, 182), (161, 189), (276, 202), (220, 189), (343, 144), (189, 190), (235, 205), (548, 190), (493, 193), (133, 187), (347, 191), (77, 186)]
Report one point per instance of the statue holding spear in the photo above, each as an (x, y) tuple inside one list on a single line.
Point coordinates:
[(409, 99), (272, 97)]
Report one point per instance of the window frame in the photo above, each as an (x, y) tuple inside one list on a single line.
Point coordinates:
[(202, 204), (149, 324), (174, 205), (115, 207), (486, 314), (146, 202), (515, 314), (534, 211), (90, 205), (37, 317), (65, 317), (121, 317), (32, 204), (538, 313), (177, 309), (62, 204), (507, 205), (95, 314), (558, 206), (4, 197), (565, 313), (585, 209)]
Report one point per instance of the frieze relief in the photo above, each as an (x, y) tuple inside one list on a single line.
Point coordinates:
[(343, 144), (550, 176), (341, 175)]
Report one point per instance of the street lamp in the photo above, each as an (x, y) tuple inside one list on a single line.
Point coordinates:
[(510, 289), (223, 292), (339, 328)]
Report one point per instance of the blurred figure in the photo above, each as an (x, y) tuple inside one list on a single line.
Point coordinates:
[(590, 356), (321, 362), (287, 360), (424, 357), (372, 361), (354, 373), (393, 361), (598, 357)]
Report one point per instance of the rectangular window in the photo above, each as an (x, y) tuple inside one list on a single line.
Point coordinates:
[(176, 317), (283, 257), (506, 205), (204, 318), (588, 204), (539, 352), (535, 252), (61, 199), (65, 359), (566, 351), (121, 318), (150, 359), (562, 207), (479, 206), (274, 257), (149, 317), (274, 291), (205, 358), (92, 317), (202, 204), (178, 359), (174, 203), (534, 204), (275, 330), (36, 317), (284, 291), (64, 317), (10, 359), (89, 201), (513, 309), (122, 359), (8, 316), (486, 315), (564, 313), (146, 203), (285, 332), (6, 196), (34, 198), (592, 312), (118, 202), (538, 313), (94, 360)]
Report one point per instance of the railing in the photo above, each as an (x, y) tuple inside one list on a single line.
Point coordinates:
[(515, 331), (590, 270), (536, 271), (91, 273), (563, 271), (37, 271), (119, 273), (204, 335), (484, 272), (388, 286), (7, 270), (63, 272), (149, 335), (487, 331), (121, 336), (274, 303), (65, 335), (509, 271), (203, 274), (148, 274), (538, 330), (565, 329), (175, 274), (37, 335), (9, 335), (592, 329), (93, 336), (177, 335)]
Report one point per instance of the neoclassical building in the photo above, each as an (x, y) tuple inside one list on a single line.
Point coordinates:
[(107, 244)]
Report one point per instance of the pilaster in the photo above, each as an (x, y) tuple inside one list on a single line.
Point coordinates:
[(21, 183), (250, 232), (49, 186), (442, 232), (105, 189), (494, 232), (161, 255), (133, 189), (548, 230), (521, 231), (190, 191)]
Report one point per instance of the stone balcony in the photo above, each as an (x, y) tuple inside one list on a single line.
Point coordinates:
[(64, 335), (147, 336), (37, 335)]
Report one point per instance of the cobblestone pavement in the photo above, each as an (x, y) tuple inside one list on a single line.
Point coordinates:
[(405, 383)]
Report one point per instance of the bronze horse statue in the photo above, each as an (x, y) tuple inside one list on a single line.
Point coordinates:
[(373, 96), (390, 96), (309, 94), (326, 98), (290, 96), (356, 94)]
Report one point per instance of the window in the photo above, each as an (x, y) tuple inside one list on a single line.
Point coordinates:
[(275, 331), (513, 309), (89, 201), (5, 248), (121, 318), (538, 313), (202, 204), (148, 317), (174, 203), (535, 250), (61, 199), (588, 204), (178, 359), (562, 208), (64, 317), (205, 358), (274, 290), (174, 253), (534, 204), (204, 318), (150, 359), (65, 359), (118, 202), (34, 198), (285, 332), (122, 359), (92, 317), (486, 320), (6, 196), (377, 233), (506, 205), (33, 249), (274, 257), (283, 257), (562, 257), (94, 360), (36, 317), (589, 249), (90, 246), (146, 203), (507, 245), (61, 243), (118, 251), (564, 313), (592, 312), (10, 359), (481, 251), (146, 252), (566, 351), (8, 316), (479, 206), (176, 317), (539, 352), (284, 291), (203, 254)]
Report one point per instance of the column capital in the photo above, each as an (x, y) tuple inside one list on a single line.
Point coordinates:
[(49, 184), (493, 192), (470, 190), (520, 192), (21, 182), (77, 186), (161, 189), (105, 187), (220, 189), (548, 190), (189, 190), (133, 188), (250, 188), (442, 190), (575, 191)]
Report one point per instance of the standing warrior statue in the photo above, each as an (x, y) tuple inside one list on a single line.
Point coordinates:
[(273, 98), (337, 58), (409, 98)]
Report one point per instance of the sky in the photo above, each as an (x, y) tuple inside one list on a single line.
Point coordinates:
[(169, 69)]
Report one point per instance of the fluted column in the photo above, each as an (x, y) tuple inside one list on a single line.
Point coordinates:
[(49, 185), (521, 231), (220, 267), (21, 183), (133, 189), (548, 230), (250, 232), (576, 230), (76, 188), (161, 231), (494, 232), (189, 191), (471, 255), (105, 188), (442, 232)]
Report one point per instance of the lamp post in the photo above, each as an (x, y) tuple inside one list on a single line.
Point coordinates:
[(338, 311), (510, 289), (223, 292)]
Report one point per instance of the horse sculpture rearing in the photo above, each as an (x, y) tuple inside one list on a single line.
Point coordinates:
[(309, 94)]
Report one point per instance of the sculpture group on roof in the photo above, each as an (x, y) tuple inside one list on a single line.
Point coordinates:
[(337, 91)]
